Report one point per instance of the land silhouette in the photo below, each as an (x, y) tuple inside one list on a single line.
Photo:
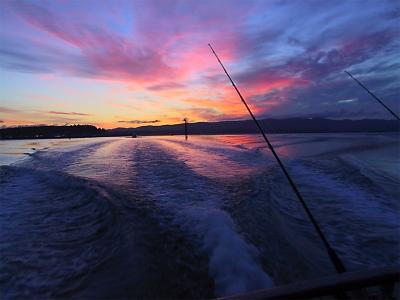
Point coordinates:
[(291, 125)]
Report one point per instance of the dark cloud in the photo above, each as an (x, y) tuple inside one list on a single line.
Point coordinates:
[(318, 77), (140, 121), (67, 113), (318, 64)]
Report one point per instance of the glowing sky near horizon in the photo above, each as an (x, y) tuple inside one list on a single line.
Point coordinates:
[(128, 63)]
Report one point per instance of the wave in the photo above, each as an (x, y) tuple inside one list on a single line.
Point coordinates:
[(56, 229), (215, 160), (358, 216), (354, 211), (382, 171), (59, 156), (341, 196), (193, 202)]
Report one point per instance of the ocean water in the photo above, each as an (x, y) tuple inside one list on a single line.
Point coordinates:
[(161, 217)]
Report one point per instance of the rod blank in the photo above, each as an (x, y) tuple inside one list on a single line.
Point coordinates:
[(373, 95), (336, 261)]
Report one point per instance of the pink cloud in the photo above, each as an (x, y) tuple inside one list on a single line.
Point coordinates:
[(6, 110), (159, 50)]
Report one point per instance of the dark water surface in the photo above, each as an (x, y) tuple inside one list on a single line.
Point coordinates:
[(160, 217)]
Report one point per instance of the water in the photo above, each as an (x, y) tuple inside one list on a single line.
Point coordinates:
[(160, 217)]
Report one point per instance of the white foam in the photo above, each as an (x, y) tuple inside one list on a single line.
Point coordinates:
[(233, 262)]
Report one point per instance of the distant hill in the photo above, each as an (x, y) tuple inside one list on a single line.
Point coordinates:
[(292, 125)]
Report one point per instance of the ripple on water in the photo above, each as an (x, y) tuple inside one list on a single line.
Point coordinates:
[(56, 229)]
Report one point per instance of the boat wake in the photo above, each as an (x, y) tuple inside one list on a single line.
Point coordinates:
[(194, 204), (212, 216)]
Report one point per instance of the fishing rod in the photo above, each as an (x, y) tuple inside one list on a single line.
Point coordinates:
[(336, 261), (375, 97)]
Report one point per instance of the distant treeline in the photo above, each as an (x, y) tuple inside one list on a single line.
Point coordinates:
[(292, 125), (31, 132)]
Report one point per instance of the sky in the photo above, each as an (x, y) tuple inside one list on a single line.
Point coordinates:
[(146, 62)]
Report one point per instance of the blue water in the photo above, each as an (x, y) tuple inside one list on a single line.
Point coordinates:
[(161, 217)]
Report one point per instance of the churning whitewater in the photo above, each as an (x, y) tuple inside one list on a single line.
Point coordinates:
[(161, 217)]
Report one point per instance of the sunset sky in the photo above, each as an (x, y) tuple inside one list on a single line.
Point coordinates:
[(128, 63)]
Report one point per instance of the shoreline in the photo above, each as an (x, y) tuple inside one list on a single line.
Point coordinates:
[(197, 134)]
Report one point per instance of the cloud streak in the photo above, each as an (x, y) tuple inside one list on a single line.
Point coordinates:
[(67, 113), (5, 110), (347, 100), (140, 121)]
